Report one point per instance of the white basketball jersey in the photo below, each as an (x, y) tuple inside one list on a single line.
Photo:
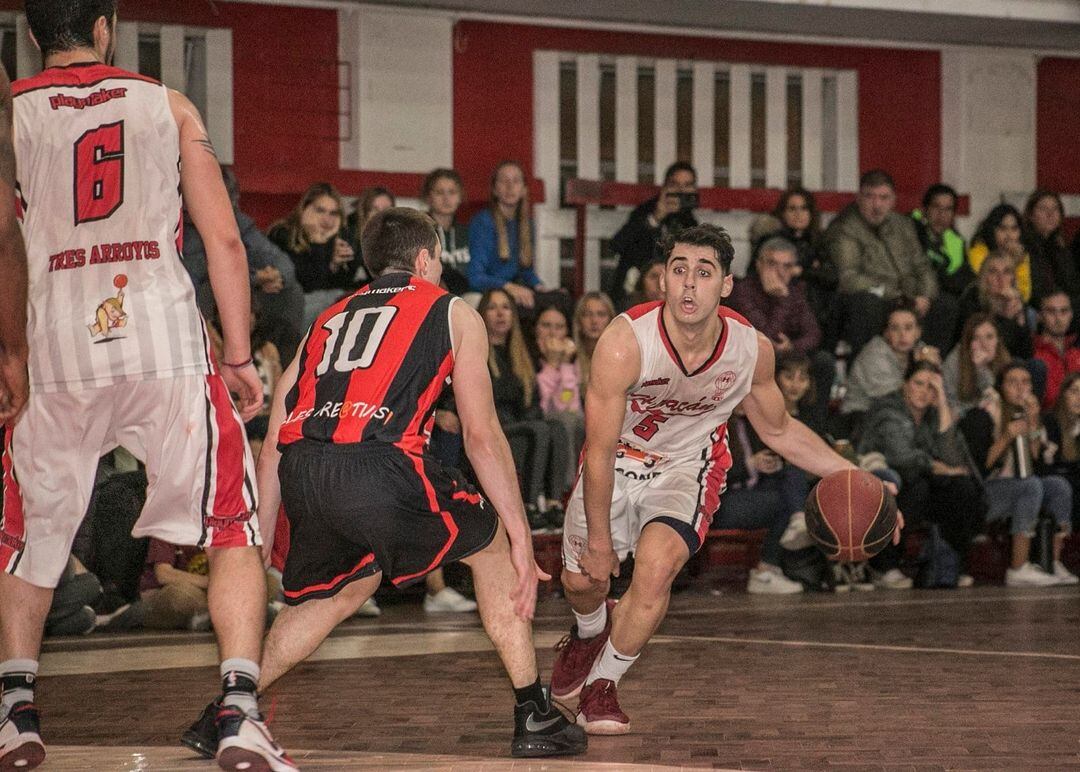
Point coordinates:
[(675, 415), (98, 185)]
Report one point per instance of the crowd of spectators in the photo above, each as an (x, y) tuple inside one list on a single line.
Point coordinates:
[(949, 366)]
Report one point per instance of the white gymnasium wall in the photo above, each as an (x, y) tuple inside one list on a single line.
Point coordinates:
[(401, 86), (988, 130)]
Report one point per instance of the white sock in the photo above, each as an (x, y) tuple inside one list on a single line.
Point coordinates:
[(17, 678), (592, 624), (612, 665), (239, 682)]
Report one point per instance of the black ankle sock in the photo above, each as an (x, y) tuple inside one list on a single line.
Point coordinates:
[(533, 693)]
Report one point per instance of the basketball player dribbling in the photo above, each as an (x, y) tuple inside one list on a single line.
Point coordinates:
[(665, 378), (103, 157), (345, 453)]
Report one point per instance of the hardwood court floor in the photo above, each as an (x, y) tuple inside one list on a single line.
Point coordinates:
[(969, 679)]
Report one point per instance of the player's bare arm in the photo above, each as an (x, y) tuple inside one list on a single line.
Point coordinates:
[(266, 472), (207, 201), (615, 368), (488, 450), (788, 436), (13, 350)]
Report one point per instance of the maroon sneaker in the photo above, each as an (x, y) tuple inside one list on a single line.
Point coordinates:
[(599, 711), (575, 659)]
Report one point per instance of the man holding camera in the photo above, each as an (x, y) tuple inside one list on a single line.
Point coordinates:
[(637, 241)]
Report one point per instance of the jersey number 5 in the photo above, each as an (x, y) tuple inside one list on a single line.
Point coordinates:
[(355, 337), (99, 172), (649, 425)]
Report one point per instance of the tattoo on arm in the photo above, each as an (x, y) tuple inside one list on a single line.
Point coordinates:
[(206, 145)]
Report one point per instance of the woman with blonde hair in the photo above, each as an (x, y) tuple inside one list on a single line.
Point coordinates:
[(539, 445), (501, 239), (997, 293), (1062, 455), (592, 314), (311, 236)]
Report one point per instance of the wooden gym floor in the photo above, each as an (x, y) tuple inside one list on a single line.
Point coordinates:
[(967, 679)]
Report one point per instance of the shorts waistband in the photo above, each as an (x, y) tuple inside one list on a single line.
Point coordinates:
[(315, 447)]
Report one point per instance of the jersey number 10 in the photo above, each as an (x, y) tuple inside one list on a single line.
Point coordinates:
[(355, 337), (99, 172)]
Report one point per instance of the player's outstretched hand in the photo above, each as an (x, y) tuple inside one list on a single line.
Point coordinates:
[(599, 564), (528, 574), (14, 387), (245, 384)]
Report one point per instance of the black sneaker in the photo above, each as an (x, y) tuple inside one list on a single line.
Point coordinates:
[(20, 738), (202, 736), (545, 732), (537, 522), (555, 516)]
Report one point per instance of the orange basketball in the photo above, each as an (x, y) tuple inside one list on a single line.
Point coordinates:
[(120, 280), (850, 515)]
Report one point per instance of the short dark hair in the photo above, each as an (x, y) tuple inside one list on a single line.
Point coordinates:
[(939, 189), (875, 178), (898, 305), (1053, 293), (916, 366), (679, 166), (394, 237), (704, 235), (64, 25)]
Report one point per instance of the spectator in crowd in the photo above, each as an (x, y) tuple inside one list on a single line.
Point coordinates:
[(273, 275), (1062, 453), (443, 192), (592, 314), (772, 301), (1002, 232), (879, 368), (558, 380), (1055, 346), (969, 368), (648, 288), (1005, 439), (311, 237), (796, 218), (501, 239), (879, 258), (996, 292), (935, 225), (762, 492), (915, 430), (77, 594), (267, 361), (173, 592), (670, 211), (538, 445), (371, 200), (1044, 216)]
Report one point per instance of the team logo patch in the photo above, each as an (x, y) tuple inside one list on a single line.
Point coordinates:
[(110, 314), (723, 384), (577, 546)]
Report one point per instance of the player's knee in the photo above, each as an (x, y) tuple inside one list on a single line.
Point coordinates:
[(572, 581), (655, 575)]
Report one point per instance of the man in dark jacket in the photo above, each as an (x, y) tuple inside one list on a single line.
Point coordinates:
[(669, 212), (275, 290)]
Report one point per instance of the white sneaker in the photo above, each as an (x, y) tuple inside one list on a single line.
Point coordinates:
[(448, 600), (796, 537), (20, 738), (893, 579), (1029, 575), (369, 609), (770, 580), (965, 581), (1064, 575), (246, 744)]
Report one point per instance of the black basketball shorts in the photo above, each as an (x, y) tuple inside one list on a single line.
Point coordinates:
[(356, 510)]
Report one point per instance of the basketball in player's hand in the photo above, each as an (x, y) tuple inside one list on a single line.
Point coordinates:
[(120, 280), (850, 515)]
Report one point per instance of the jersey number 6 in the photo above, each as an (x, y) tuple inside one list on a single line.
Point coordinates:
[(355, 337), (99, 172)]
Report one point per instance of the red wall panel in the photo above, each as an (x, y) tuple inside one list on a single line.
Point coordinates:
[(899, 117), (1058, 125)]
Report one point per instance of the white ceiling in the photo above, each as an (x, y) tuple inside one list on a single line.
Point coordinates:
[(1030, 24)]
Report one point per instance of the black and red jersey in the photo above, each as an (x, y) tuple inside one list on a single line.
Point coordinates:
[(373, 366)]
